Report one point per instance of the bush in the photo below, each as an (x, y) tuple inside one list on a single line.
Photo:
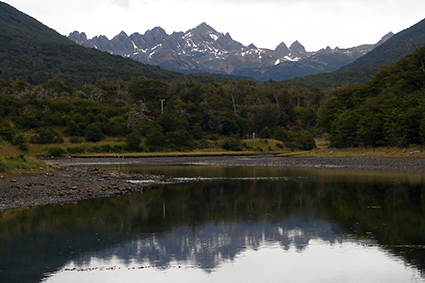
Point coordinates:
[(6, 131), (266, 133), (76, 150), (46, 136), (2, 166), (304, 141), (133, 141), (75, 140), (282, 135), (179, 139), (56, 151), (300, 140), (72, 129), (20, 141), (93, 133), (232, 144), (116, 127), (155, 139)]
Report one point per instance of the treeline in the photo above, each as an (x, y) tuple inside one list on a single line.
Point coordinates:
[(157, 115), (388, 110)]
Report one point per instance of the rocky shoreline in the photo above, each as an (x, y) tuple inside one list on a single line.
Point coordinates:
[(72, 182)]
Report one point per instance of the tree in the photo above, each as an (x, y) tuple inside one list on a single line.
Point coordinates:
[(133, 141), (93, 133), (136, 115)]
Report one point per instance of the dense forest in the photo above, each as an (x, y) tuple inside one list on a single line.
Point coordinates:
[(388, 110), (178, 115), (189, 113)]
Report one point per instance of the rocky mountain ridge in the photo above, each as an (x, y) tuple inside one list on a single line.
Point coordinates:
[(204, 50)]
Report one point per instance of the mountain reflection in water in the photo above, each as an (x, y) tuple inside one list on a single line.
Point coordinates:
[(282, 225), (207, 246)]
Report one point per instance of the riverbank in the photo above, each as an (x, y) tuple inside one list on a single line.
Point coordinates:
[(393, 164), (71, 182)]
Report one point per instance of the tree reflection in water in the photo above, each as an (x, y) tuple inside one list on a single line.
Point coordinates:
[(209, 225)]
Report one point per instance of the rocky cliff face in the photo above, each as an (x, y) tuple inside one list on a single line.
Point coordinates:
[(204, 50)]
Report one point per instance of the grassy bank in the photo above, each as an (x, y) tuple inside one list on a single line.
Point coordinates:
[(117, 147), (323, 150), (113, 147), (15, 161)]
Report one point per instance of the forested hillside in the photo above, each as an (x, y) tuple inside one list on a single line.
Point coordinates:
[(193, 113), (363, 69), (35, 53), (388, 110), (398, 46)]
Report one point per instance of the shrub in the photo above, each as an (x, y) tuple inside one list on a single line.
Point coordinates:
[(46, 136), (303, 141), (133, 141), (266, 133), (56, 151), (6, 131), (76, 150), (20, 141), (179, 139), (116, 127), (93, 133), (75, 140), (282, 135), (72, 129), (232, 144), (155, 139)]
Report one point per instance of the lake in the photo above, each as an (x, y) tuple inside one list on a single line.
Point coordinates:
[(243, 224)]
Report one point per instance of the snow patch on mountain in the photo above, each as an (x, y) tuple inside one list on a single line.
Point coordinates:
[(207, 50)]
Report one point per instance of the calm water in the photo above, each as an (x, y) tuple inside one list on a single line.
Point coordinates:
[(237, 225)]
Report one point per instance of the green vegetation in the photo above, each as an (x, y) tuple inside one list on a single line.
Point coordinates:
[(386, 111), (58, 98), (330, 81), (126, 116), (364, 68), (14, 160), (35, 53), (398, 46)]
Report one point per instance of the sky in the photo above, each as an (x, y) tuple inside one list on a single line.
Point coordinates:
[(315, 24)]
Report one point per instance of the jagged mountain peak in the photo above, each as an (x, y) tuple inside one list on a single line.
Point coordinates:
[(122, 33), (157, 30), (204, 25), (297, 48), (77, 36), (204, 32), (385, 38), (203, 49), (282, 48)]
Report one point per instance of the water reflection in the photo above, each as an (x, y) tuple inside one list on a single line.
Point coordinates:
[(207, 246), (297, 225)]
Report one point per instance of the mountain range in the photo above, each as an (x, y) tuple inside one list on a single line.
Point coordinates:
[(361, 70), (204, 50), (35, 53)]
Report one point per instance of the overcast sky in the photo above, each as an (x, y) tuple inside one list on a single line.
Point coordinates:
[(266, 23)]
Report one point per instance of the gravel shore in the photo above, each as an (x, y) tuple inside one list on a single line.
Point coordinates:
[(72, 183), (408, 164)]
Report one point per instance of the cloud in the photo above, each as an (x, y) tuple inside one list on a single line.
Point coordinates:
[(266, 23), (122, 3)]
